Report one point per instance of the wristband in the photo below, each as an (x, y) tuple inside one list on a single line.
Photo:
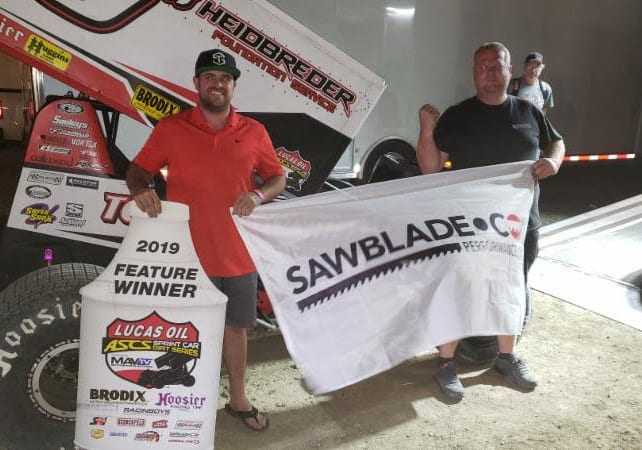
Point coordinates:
[(255, 198), (260, 194)]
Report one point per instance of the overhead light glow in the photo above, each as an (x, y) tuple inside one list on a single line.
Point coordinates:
[(400, 12)]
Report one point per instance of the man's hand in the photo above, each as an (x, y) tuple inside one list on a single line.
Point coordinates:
[(147, 201), (428, 116), (544, 168), (245, 204)]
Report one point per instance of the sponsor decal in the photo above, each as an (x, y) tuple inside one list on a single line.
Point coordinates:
[(40, 213), (420, 241), (159, 423), (70, 222), (189, 425), (91, 165), (130, 422), (69, 123), (48, 52), (114, 206), (84, 143), (147, 411), (82, 182), (54, 140), (45, 159), (36, 176), (116, 396), (73, 216), (185, 402), (183, 434), (89, 153), (7, 30), (38, 192), (70, 108), (308, 81), (54, 149), (74, 210), (101, 421), (297, 169), (152, 103), (122, 361), (274, 58), (97, 433), (152, 352), (149, 436), (72, 133), (117, 434)]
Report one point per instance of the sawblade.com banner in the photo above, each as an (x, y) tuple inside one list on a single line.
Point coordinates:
[(364, 278)]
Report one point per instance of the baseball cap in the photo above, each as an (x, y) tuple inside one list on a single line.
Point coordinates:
[(534, 56), (216, 60)]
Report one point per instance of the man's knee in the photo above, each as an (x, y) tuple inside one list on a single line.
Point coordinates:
[(233, 331)]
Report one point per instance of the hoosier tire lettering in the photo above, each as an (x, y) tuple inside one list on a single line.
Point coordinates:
[(39, 331)]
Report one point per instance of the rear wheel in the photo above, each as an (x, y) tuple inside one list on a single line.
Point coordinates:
[(390, 160), (39, 328)]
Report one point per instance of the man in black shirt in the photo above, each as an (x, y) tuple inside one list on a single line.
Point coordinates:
[(490, 128)]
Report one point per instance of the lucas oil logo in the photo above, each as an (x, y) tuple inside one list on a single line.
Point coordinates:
[(152, 352), (296, 168)]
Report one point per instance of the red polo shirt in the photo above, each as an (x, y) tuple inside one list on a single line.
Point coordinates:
[(208, 170)]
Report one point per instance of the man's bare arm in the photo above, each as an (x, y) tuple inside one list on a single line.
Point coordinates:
[(551, 160), (429, 157), (272, 187), (247, 201), (138, 181)]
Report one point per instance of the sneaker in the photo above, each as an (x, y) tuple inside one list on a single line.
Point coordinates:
[(448, 381), (515, 370)]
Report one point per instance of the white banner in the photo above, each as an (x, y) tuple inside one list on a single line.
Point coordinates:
[(364, 278)]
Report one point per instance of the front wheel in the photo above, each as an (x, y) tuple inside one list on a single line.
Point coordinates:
[(39, 328)]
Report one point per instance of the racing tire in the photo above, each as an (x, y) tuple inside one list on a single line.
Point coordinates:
[(39, 331), (189, 381), (389, 160)]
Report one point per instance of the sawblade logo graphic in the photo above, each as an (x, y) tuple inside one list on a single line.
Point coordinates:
[(152, 352), (514, 224), (99, 16), (338, 270)]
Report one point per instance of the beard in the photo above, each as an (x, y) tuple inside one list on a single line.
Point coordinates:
[(210, 106)]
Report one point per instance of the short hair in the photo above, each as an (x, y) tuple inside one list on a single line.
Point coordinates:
[(497, 46)]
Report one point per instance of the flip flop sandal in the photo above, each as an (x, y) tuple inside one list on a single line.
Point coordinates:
[(244, 415)]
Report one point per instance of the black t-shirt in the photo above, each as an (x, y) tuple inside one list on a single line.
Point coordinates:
[(475, 134)]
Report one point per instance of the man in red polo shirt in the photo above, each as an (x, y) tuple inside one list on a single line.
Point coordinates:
[(213, 155)]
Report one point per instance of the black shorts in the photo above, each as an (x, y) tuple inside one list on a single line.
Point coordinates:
[(241, 299)]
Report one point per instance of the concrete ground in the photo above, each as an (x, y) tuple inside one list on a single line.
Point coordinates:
[(589, 396)]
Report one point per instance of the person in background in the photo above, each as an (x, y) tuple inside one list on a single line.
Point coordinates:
[(530, 87), (212, 155), (490, 128)]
